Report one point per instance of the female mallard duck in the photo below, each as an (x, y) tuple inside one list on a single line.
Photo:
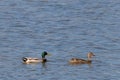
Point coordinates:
[(35, 60), (82, 61)]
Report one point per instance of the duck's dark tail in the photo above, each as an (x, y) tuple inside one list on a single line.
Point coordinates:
[(24, 59)]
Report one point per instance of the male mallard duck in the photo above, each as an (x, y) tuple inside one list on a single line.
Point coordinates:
[(82, 61), (35, 60)]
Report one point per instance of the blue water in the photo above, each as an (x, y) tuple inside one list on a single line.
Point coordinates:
[(64, 28)]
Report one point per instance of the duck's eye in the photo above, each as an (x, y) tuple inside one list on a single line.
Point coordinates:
[(72, 59)]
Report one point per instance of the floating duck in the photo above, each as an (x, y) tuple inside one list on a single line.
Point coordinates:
[(82, 61), (35, 60)]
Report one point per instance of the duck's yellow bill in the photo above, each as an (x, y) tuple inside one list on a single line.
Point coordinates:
[(48, 54)]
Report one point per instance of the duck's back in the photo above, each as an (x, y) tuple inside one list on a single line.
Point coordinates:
[(32, 60), (81, 61)]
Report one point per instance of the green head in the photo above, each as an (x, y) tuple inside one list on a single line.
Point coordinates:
[(44, 54)]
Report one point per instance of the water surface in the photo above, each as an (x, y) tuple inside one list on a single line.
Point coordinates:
[(64, 28)]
